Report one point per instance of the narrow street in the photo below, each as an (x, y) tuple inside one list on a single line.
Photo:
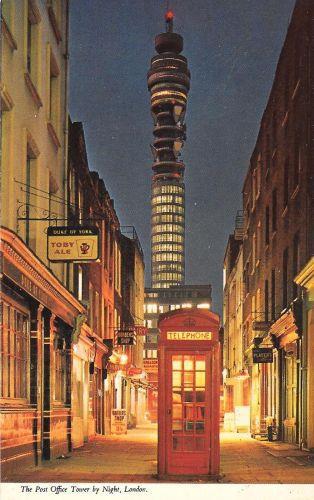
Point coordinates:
[(132, 458)]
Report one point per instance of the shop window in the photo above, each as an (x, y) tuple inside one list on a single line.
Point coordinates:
[(14, 332)]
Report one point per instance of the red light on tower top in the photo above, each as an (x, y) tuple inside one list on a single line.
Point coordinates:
[(169, 16)]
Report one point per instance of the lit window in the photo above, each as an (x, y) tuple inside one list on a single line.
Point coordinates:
[(204, 305), (80, 283), (151, 308), (187, 305)]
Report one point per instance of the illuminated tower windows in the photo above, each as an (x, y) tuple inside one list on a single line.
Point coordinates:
[(169, 82)]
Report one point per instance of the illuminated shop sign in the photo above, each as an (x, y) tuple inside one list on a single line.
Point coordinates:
[(118, 421), (189, 335), (263, 355), (125, 337), (68, 244)]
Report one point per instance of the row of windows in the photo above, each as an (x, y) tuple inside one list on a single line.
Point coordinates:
[(33, 56), (168, 218), (167, 198), (168, 189), (290, 266), (170, 228), (172, 266), (290, 179), (172, 237), (178, 209), (168, 247), (177, 257), (162, 276)]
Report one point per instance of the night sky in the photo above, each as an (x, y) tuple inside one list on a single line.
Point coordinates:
[(232, 48)]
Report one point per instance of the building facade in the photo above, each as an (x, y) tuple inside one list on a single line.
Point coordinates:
[(278, 237), (112, 290), (168, 82), (60, 363), (38, 313), (133, 269), (235, 375)]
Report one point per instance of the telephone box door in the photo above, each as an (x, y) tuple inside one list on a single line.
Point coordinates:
[(188, 415)]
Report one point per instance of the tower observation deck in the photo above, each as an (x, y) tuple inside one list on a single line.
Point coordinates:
[(168, 82)]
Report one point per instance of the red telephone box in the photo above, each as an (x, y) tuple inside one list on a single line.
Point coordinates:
[(188, 396)]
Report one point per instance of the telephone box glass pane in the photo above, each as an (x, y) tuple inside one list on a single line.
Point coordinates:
[(176, 379), (177, 362), (200, 427), (189, 412), (188, 363), (188, 395), (188, 426), (200, 379), (188, 378), (200, 395), (176, 396), (200, 363)]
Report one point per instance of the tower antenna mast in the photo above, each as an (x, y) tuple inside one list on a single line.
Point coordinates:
[(169, 16)]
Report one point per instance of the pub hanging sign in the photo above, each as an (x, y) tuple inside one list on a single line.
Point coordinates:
[(125, 337), (73, 244), (263, 355)]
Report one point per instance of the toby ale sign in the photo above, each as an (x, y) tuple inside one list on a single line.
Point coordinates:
[(262, 355), (72, 244)]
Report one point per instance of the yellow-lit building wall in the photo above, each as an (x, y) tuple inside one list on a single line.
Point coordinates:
[(34, 119)]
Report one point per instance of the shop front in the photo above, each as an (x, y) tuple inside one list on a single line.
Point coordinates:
[(287, 338), (38, 317), (305, 279)]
